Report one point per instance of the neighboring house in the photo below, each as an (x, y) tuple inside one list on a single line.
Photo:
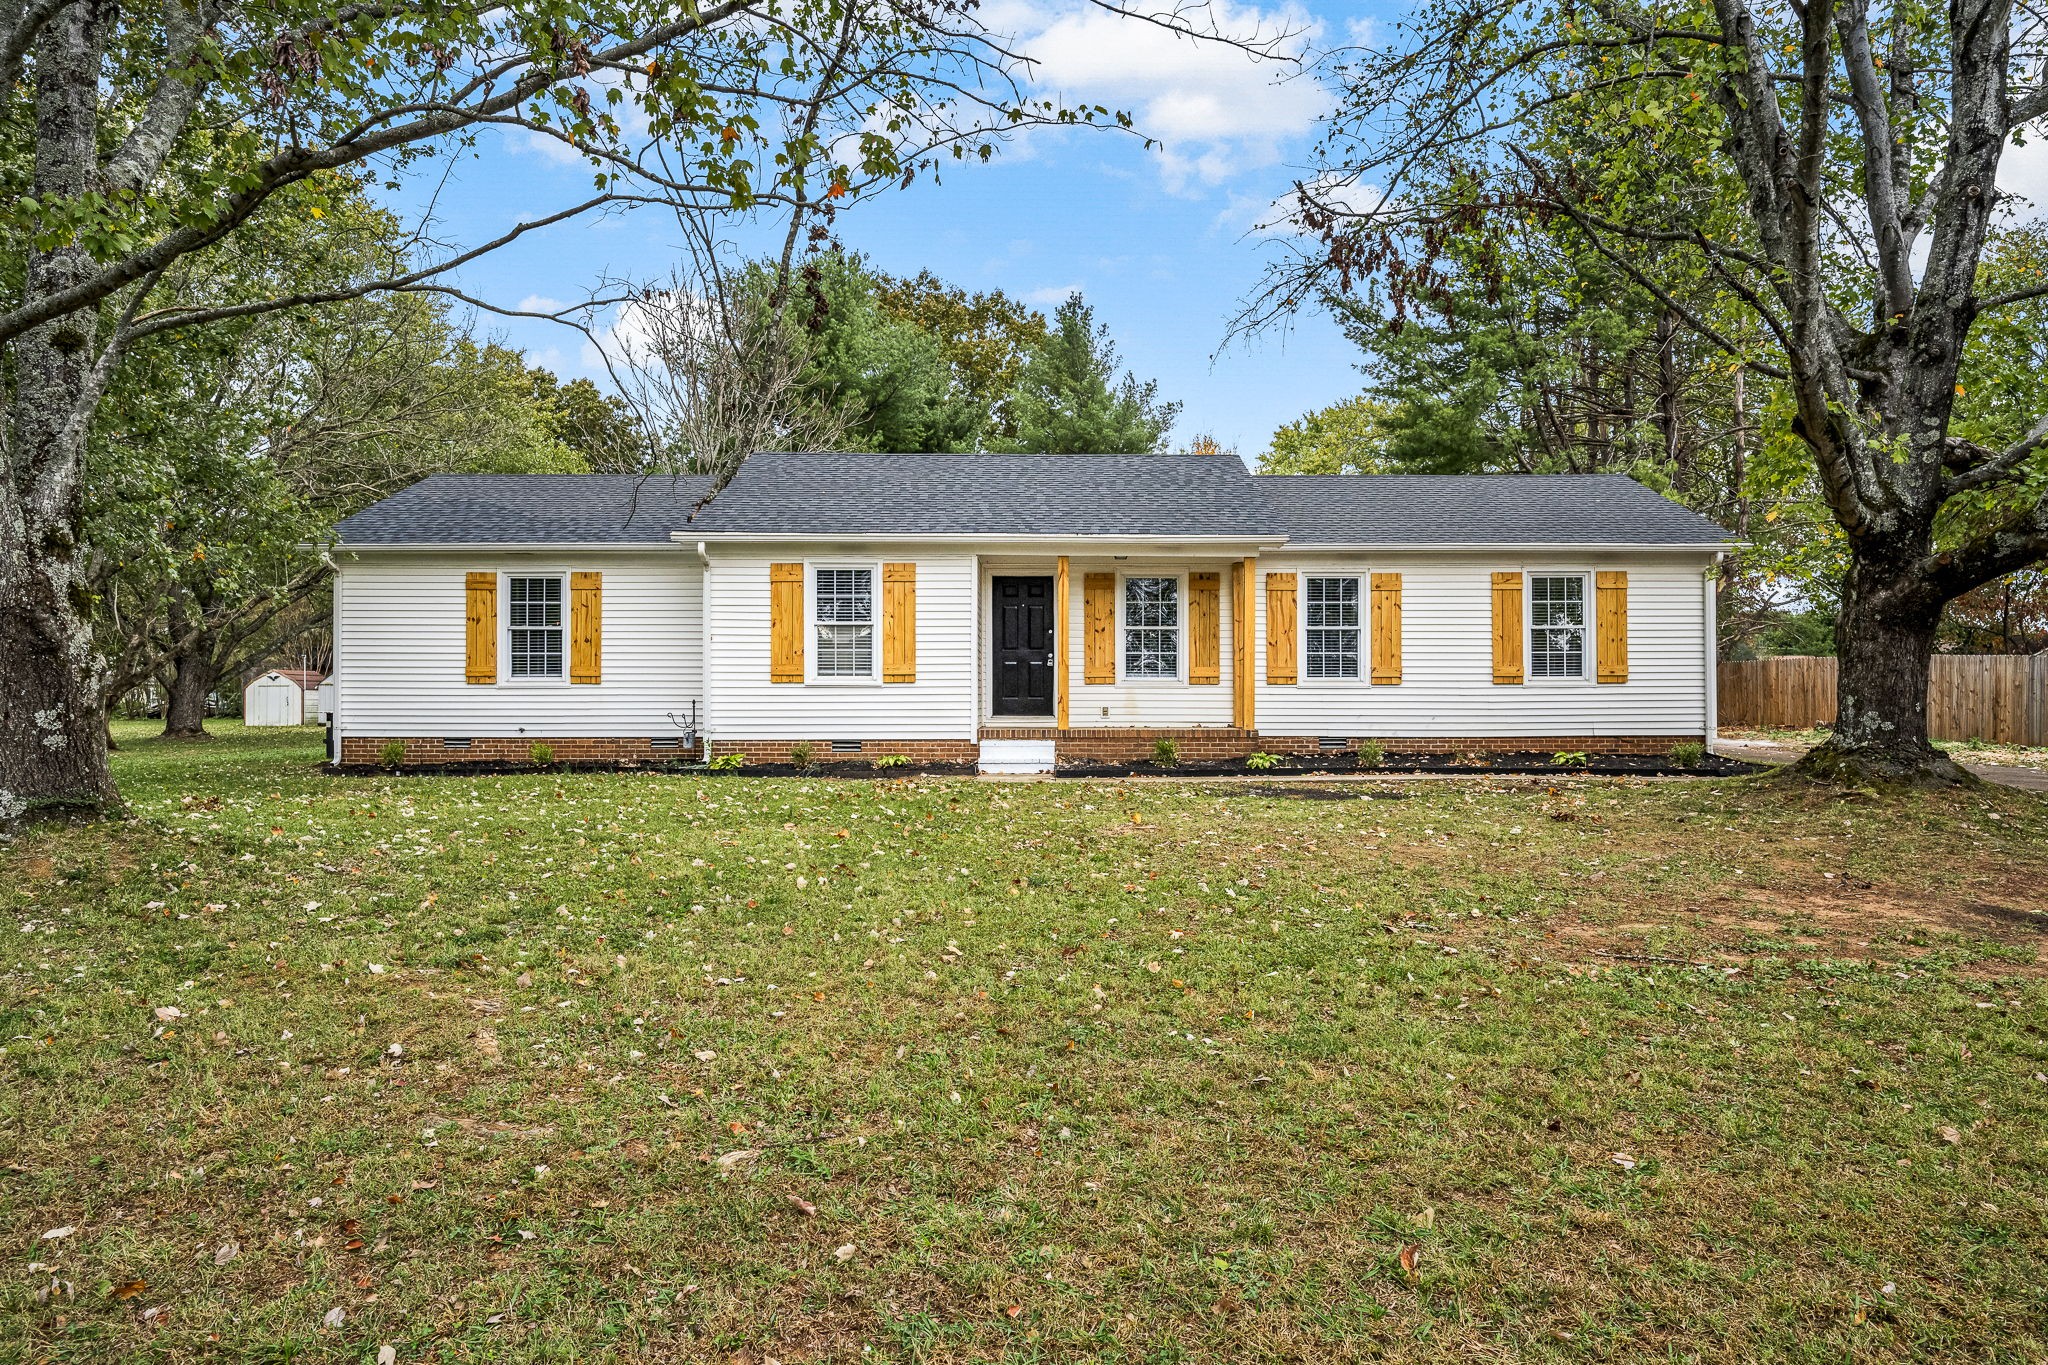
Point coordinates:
[(1018, 609), (278, 697)]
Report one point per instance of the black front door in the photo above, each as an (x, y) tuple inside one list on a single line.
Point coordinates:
[(1023, 640)]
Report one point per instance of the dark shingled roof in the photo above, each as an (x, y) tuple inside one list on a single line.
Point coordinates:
[(804, 496), (1489, 509), (530, 509), (990, 495)]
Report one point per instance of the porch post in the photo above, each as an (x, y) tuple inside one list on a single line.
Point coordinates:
[(1059, 645), (1243, 614)]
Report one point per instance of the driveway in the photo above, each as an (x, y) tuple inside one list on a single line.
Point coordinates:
[(1774, 751)]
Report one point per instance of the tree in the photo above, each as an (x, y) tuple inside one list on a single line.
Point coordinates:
[(984, 339), (1068, 401), (600, 427), (1344, 438), (141, 137), (1831, 166)]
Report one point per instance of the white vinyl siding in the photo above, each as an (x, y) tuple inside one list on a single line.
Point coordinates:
[(1447, 686), (400, 647), (1144, 702), (940, 704)]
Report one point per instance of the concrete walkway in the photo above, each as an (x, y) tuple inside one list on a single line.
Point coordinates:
[(1771, 751)]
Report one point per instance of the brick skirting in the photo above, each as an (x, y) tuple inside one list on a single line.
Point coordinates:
[(1121, 745), (916, 750), (356, 750)]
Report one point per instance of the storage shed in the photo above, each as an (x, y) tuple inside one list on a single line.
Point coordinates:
[(278, 697)]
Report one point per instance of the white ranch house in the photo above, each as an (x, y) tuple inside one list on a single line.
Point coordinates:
[(1018, 611)]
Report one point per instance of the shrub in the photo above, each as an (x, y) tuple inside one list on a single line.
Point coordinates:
[(727, 763), (543, 755), (1575, 758), (893, 761), (802, 752), (392, 754), (1371, 753), (1259, 762), (1690, 754), (1165, 752)]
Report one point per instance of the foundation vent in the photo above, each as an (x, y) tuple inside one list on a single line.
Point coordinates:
[(1333, 743), (845, 746), (454, 743)]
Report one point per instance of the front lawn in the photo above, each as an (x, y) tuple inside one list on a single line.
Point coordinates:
[(649, 1067)]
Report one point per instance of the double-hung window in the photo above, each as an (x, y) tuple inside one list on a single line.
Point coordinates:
[(1151, 627), (1330, 622), (1557, 625), (843, 620), (535, 616)]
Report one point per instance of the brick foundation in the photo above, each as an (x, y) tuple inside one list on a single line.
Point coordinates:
[(916, 750), (429, 749), (1652, 745)]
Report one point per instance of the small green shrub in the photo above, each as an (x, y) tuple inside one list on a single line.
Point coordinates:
[(543, 755), (727, 763), (893, 761), (1575, 758), (1371, 753), (802, 752), (1690, 754), (1165, 752), (392, 754), (1259, 762)]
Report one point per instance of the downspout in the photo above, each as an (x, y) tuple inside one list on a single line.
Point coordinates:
[(334, 671), (704, 649)]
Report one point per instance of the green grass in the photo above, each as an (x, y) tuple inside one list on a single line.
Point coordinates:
[(554, 1068)]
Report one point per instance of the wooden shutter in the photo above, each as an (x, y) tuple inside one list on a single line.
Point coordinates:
[(1205, 628), (1280, 663), (1611, 642), (1507, 628), (785, 623), (1386, 628), (899, 623), (482, 628), (1098, 601), (586, 627)]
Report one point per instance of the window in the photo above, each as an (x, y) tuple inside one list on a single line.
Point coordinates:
[(536, 611), (1557, 626), (1330, 618), (1152, 627), (844, 608)]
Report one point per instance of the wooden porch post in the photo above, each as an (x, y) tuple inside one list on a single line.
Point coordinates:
[(1060, 631), (1243, 610)]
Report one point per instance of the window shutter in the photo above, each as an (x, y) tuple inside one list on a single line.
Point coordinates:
[(1098, 601), (586, 627), (785, 623), (1244, 690), (1386, 628), (1611, 593), (1507, 628), (899, 623), (482, 632), (1280, 664), (1205, 628)]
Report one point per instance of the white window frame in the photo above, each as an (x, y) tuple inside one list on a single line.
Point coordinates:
[(1180, 629), (1585, 628), (505, 674), (1302, 676), (873, 677)]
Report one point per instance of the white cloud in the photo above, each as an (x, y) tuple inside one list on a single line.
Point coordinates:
[(1052, 295), (1215, 109), (540, 303), (2024, 171)]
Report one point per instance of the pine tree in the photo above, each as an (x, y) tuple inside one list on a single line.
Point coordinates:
[(1067, 402)]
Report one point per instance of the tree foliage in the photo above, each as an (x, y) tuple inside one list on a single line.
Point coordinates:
[(1069, 399)]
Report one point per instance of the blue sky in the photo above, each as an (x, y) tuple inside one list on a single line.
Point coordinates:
[(1160, 241)]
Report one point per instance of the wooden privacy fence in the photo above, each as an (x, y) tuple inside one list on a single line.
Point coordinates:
[(2000, 698)]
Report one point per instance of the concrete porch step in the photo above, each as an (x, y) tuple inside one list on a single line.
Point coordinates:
[(1017, 755)]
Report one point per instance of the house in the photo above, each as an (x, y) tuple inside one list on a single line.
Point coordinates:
[(1015, 610), (278, 696)]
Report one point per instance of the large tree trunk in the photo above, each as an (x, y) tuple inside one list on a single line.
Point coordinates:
[(53, 753), (191, 684), (1884, 638)]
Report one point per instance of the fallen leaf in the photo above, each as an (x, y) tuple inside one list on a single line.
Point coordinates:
[(225, 1252), (844, 1253), (334, 1318), (54, 1233), (130, 1288), (803, 1206), (1949, 1134), (732, 1159), (1623, 1160), (1410, 1256), (387, 1355), (166, 1013)]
